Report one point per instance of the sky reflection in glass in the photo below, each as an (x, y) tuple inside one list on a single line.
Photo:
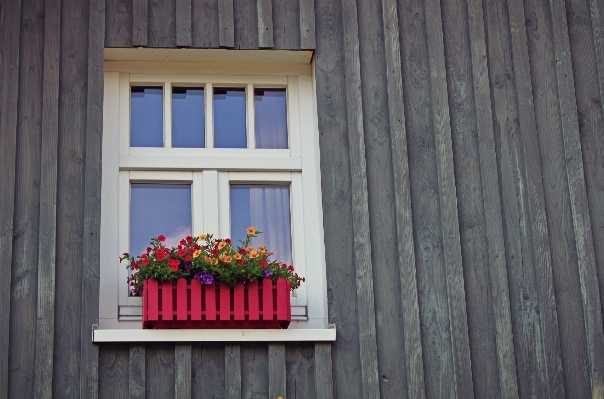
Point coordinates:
[(265, 207), (159, 209), (229, 118), (146, 117), (271, 118), (188, 121)]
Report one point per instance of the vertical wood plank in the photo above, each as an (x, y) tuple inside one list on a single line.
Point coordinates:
[(225, 301), (307, 25), (10, 33), (499, 299), (160, 370), (182, 357), (136, 371), (167, 306), (267, 300), (196, 304), (232, 371), (448, 204), (253, 301), (246, 24), (119, 22), (323, 371), (276, 370), (254, 370), (210, 301), (27, 203), (360, 210), (140, 22), (226, 24), (181, 299), (286, 24), (402, 199), (204, 23), (113, 371), (72, 275), (265, 23), (48, 206), (89, 356), (162, 22), (183, 23), (300, 370), (239, 302), (208, 374)]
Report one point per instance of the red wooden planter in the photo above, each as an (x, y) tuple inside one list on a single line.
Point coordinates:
[(196, 305)]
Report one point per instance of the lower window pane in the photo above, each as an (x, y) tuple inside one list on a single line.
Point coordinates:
[(265, 207)]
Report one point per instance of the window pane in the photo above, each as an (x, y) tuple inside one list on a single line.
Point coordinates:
[(265, 207), (271, 118), (229, 118), (159, 209), (188, 121), (146, 117)]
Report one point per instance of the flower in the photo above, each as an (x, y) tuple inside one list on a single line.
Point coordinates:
[(242, 251), (266, 272), (228, 241), (188, 258), (202, 237), (207, 279), (160, 256), (254, 254), (145, 261), (189, 238), (182, 253), (250, 248), (196, 253), (134, 265), (262, 249), (161, 238), (173, 263), (215, 252), (251, 230), (221, 245), (237, 256), (291, 268), (263, 263), (148, 250)]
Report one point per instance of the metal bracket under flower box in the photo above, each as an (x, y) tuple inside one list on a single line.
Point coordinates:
[(196, 305)]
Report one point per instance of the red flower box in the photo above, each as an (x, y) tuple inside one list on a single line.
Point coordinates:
[(196, 305)]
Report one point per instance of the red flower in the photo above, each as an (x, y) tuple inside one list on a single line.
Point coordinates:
[(182, 253), (145, 261), (174, 264), (148, 250), (134, 265), (263, 263), (191, 250), (242, 251), (189, 238), (182, 242), (159, 251), (188, 258), (240, 261), (160, 256), (228, 240), (291, 268), (161, 238), (215, 252)]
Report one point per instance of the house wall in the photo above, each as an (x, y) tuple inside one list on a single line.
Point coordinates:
[(462, 159)]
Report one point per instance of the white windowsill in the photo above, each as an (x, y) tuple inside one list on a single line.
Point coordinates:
[(190, 335)]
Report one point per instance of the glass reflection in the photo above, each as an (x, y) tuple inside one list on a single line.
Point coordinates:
[(265, 207), (188, 121), (271, 118), (146, 117), (229, 118)]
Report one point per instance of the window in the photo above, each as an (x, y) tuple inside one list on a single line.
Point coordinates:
[(190, 151)]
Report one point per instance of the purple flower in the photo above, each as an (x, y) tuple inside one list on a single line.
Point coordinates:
[(266, 272), (207, 279), (198, 275)]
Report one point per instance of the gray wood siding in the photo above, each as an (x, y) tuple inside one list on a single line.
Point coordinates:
[(462, 163)]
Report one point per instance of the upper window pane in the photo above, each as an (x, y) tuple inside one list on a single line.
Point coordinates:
[(146, 117), (265, 207), (271, 118), (188, 121), (229, 118)]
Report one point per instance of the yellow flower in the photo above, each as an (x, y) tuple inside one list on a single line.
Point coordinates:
[(253, 254), (221, 245), (214, 261), (202, 237), (262, 249), (250, 248), (251, 230), (237, 256), (196, 253)]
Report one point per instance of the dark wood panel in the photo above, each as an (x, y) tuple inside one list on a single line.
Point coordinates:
[(381, 206), (10, 30), (27, 202), (183, 23), (360, 208), (159, 375), (254, 370), (307, 25), (226, 24), (205, 23), (119, 21), (208, 371), (136, 371), (92, 200), (413, 378), (48, 202), (73, 79), (245, 14), (337, 212), (286, 24), (265, 23), (276, 370), (232, 371), (113, 371), (323, 371), (499, 298), (162, 20), (182, 359), (468, 186), (300, 371), (140, 22)]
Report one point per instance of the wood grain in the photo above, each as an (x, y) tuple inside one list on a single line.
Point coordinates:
[(204, 25), (307, 25), (265, 23), (48, 207), (254, 370), (140, 22), (119, 20), (183, 23), (276, 370), (160, 370), (226, 24), (246, 24), (10, 32), (136, 371), (323, 371), (208, 372), (113, 371), (182, 359), (286, 24), (300, 370), (162, 22), (232, 371)]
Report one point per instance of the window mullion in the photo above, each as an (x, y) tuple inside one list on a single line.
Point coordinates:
[(210, 202), (197, 204), (168, 114), (209, 110), (250, 116)]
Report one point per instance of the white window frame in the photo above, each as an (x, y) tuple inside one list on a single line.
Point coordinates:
[(211, 171)]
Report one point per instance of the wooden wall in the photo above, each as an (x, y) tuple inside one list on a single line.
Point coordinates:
[(462, 158)]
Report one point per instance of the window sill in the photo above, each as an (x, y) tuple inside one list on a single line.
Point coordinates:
[(184, 335)]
